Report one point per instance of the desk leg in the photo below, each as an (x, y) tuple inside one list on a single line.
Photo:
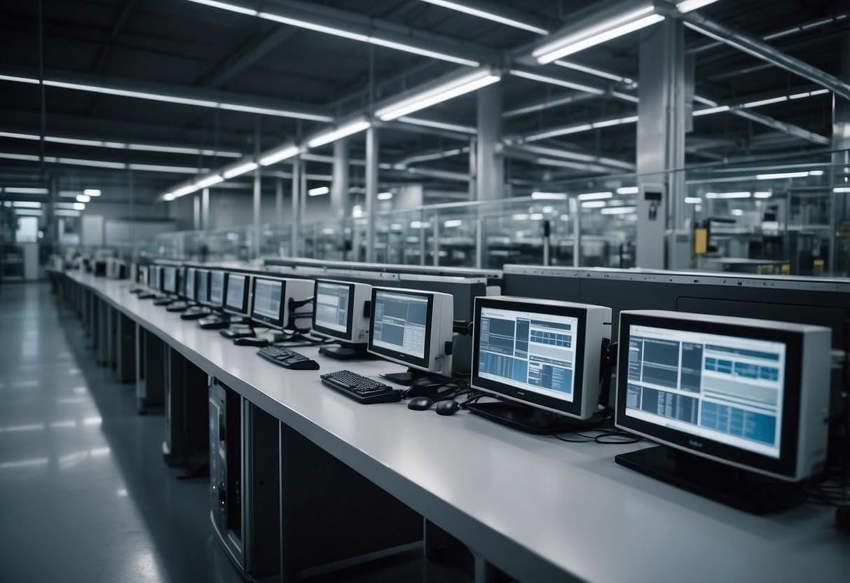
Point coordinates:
[(102, 333), (186, 394), (328, 513), (149, 370), (125, 347)]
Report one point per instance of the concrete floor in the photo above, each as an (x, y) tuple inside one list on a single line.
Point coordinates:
[(84, 494)]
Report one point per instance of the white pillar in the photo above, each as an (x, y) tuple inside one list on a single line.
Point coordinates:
[(489, 162), (371, 190), (339, 185)]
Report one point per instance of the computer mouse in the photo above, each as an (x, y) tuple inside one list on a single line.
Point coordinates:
[(420, 403), (447, 407), (250, 341)]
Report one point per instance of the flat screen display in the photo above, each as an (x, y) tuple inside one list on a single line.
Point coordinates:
[(235, 295), (332, 305), (528, 350), (267, 298), (725, 388), (189, 283), (202, 284), (169, 279), (400, 322), (216, 289)]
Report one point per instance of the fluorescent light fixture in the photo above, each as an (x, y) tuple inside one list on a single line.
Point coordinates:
[(85, 162), (737, 212), (385, 195), (815, 172), (711, 110), (767, 101), (598, 33), (439, 125), (318, 191), (451, 223), (371, 39), (763, 194), (83, 198), (357, 211), (226, 6), (26, 212), (208, 181), (438, 94), (92, 192), (418, 225), (548, 196), (342, 131), (693, 200), (536, 216), (279, 155), (781, 175), (15, 79), (79, 206), (487, 15), (189, 189), (841, 189), (130, 93), (66, 213), (555, 81), (168, 196), (24, 190), (727, 195), (273, 111), (618, 210), (25, 204), (593, 204), (240, 169), (595, 196), (628, 190), (519, 217), (164, 168), (595, 72), (689, 5)]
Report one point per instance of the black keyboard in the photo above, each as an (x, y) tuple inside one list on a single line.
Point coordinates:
[(361, 389), (287, 358)]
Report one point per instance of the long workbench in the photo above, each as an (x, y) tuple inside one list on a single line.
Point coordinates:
[(537, 508)]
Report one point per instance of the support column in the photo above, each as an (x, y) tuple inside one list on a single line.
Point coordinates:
[(661, 146), (294, 223), (371, 190), (196, 212), (205, 209), (839, 257), (258, 194), (278, 201), (339, 186), (489, 162)]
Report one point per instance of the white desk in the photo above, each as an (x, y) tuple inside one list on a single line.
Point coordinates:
[(538, 508)]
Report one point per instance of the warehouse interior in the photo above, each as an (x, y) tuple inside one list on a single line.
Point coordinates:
[(685, 156)]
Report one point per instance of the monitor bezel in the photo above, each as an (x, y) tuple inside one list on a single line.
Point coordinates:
[(202, 276), (243, 311), (402, 357), (786, 463), (524, 395), (274, 323), (208, 301), (349, 316)]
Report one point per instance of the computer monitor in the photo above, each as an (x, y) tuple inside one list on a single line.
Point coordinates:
[(236, 287), (202, 284), (341, 310), (215, 289), (412, 327), (189, 282), (169, 279), (542, 353), (154, 277), (267, 306), (142, 274), (739, 391)]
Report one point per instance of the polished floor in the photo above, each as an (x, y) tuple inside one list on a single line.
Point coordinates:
[(84, 494)]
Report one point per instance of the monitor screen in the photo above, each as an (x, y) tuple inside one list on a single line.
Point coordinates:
[(169, 279), (156, 275), (216, 288), (267, 301), (235, 294), (202, 283), (528, 350), (189, 283), (333, 308), (728, 389), (400, 323)]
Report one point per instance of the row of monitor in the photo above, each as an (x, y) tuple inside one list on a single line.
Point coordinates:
[(745, 392)]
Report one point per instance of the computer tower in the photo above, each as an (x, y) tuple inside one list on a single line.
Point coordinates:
[(185, 442), (244, 482)]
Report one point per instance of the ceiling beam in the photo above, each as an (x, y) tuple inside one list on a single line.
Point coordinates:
[(765, 52), (248, 54), (181, 95)]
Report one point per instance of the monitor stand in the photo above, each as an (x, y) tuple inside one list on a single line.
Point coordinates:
[(734, 487), (345, 351), (531, 419)]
